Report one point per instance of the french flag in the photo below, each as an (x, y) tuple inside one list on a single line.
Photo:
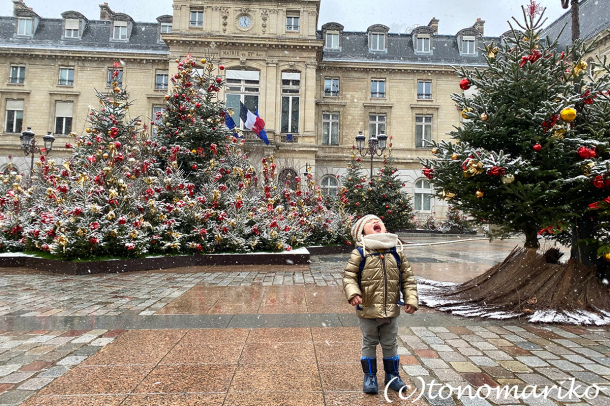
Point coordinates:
[(253, 122)]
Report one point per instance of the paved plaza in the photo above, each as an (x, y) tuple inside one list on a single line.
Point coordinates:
[(270, 335)]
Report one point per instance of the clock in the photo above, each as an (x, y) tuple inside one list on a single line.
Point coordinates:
[(244, 21)]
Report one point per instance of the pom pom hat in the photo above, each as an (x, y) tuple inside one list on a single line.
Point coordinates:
[(359, 226)]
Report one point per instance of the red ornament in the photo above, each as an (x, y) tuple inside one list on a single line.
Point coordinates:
[(586, 153), (197, 105), (194, 167), (117, 145), (537, 147), (465, 84), (428, 173), (218, 79)]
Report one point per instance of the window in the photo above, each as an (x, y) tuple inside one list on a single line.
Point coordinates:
[(72, 28), (468, 45), (118, 79), (424, 89), (166, 28), (14, 116), (423, 193), (330, 128), (63, 118), (66, 76), (24, 26), (378, 88), (196, 19), (377, 42), (423, 131), (120, 30), (17, 74), (329, 185), (291, 83), (331, 86), (161, 79), (332, 40), (423, 44), (156, 119), (292, 23), (242, 86), (376, 124)]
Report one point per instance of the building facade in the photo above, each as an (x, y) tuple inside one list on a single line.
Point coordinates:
[(315, 88)]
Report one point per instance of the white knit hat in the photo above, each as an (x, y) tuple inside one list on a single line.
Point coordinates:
[(359, 226)]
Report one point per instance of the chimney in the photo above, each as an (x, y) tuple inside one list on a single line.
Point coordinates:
[(105, 12), (480, 25), (434, 24), (19, 5)]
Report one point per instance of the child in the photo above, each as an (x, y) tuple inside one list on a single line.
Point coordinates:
[(372, 282)]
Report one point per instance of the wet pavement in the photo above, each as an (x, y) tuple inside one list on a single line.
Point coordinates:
[(269, 335)]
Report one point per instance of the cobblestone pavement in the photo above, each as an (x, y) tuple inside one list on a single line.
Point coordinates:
[(270, 336)]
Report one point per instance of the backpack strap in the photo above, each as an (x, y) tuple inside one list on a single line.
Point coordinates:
[(361, 268), (398, 264)]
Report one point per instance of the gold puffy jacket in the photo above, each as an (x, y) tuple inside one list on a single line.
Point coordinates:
[(379, 284)]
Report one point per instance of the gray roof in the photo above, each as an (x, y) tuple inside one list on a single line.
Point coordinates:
[(594, 18), (399, 49), (96, 37)]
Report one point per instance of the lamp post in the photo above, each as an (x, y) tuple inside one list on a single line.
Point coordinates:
[(375, 148), (28, 145)]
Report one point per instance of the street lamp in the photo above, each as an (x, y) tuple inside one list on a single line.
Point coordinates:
[(28, 145), (375, 148)]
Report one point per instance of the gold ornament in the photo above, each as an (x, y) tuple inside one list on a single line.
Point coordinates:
[(483, 117), (447, 195), (525, 39), (568, 114), (454, 156), (203, 60), (508, 179), (434, 150), (607, 257), (88, 130), (117, 90), (105, 156), (491, 55), (465, 111), (479, 194)]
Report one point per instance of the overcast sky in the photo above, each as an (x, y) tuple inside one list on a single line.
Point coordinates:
[(355, 15)]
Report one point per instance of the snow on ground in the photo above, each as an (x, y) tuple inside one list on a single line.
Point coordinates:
[(432, 294)]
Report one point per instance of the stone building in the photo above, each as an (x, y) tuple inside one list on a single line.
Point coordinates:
[(315, 89)]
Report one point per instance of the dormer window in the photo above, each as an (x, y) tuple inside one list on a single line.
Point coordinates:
[(120, 30), (332, 40), (423, 43), (72, 29), (166, 28), (377, 42), (24, 26), (468, 45)]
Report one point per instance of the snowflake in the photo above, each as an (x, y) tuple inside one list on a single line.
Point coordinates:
[(533, 9)]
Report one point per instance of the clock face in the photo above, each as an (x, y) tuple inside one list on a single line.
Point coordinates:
[(244, 21)]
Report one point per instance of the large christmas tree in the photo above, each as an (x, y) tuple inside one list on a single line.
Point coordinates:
[(522, 160)]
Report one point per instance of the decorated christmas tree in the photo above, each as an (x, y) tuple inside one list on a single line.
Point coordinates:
[(523, 160), (14, 200), (380, 195), (193, 117)]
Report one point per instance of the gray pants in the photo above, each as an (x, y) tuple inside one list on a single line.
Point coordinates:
[(379, 331)]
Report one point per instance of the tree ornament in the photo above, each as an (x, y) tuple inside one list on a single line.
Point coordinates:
[(465, 112), (434, 150), (483, 117), (117, 89), (447, 195), (465, 84), (607, 257), (454, 156), (479, 194), (203, 61), (537, 147), (508, 179), (166, 97), (568, 114)]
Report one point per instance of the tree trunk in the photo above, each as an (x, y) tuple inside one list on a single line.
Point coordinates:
[(531, 239)]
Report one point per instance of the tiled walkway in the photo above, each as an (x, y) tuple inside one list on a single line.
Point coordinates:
[(266, 336)]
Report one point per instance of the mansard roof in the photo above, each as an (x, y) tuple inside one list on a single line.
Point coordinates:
[(144, 37), (594, 18), (355, 48)]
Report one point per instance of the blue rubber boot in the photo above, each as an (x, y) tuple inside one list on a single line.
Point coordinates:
[(391, 366), (369, 367)]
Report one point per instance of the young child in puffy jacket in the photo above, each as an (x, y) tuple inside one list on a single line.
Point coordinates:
[(373, 281)]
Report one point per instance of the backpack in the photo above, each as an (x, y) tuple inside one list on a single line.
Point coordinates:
[(363, 261)]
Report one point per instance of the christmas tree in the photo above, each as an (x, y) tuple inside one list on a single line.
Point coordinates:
[(193, 118), (380, 195), (522, 160), (14, 199)]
